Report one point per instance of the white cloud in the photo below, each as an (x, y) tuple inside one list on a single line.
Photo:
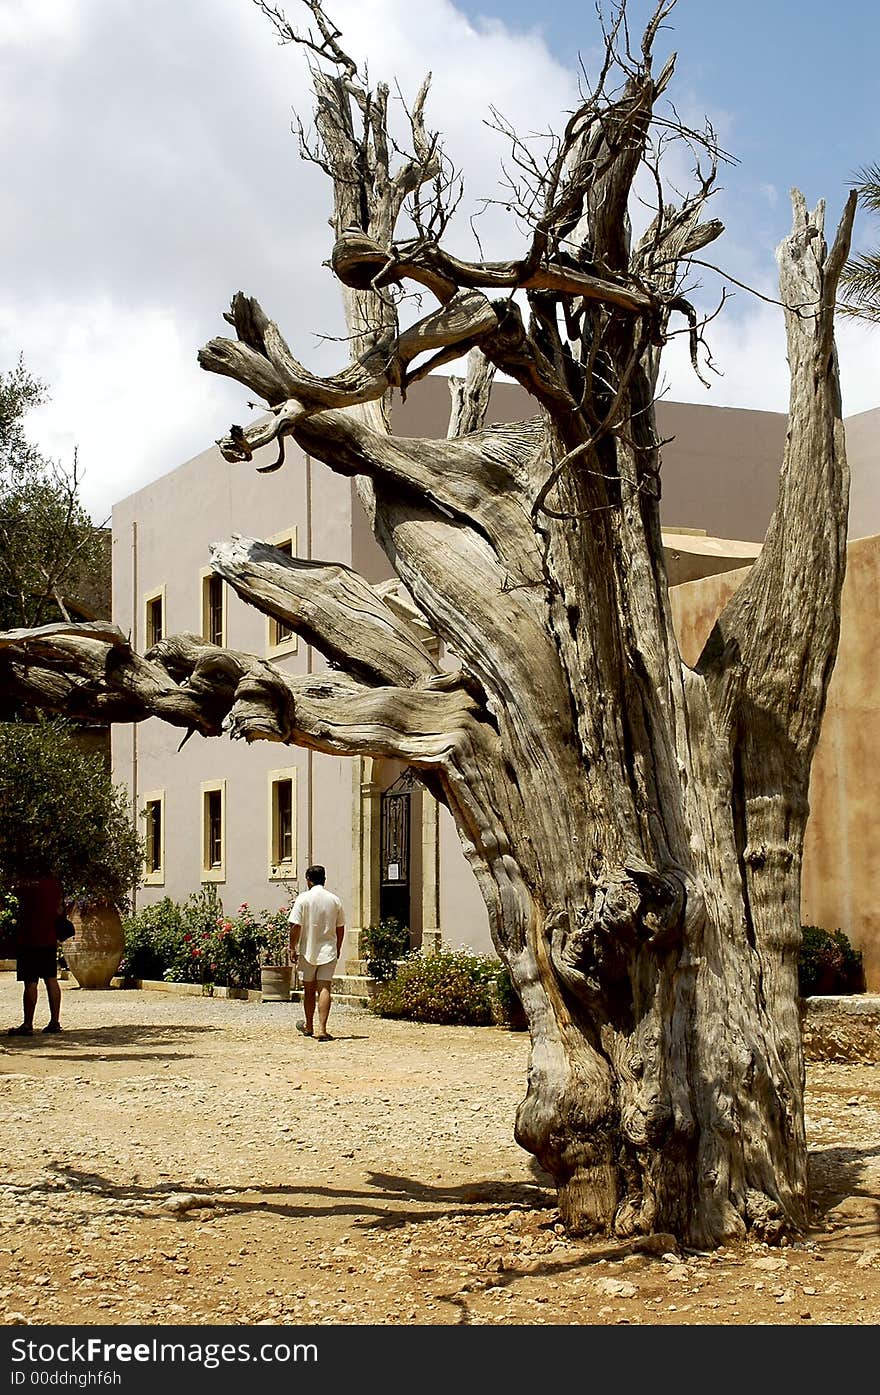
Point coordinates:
[(748, 347), (122, 394), (150, 172), (26, 22)]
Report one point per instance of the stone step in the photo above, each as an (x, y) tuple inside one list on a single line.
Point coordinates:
[(346, 999), (347, 988)]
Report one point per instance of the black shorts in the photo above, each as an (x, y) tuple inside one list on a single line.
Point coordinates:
[(34, 964)]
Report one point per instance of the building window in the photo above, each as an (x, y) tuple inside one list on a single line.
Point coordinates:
[(213, 608), (214, 831), (282, 824), (154, 617), (154, 838), (281, 638)]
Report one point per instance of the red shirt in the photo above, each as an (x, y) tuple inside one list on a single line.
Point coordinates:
[(39, 906)]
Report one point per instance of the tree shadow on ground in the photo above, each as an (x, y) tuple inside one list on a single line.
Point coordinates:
[(85, 1041), (836, 1173), (367, 1205)]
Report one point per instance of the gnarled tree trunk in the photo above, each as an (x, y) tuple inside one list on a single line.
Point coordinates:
[(635, 826)]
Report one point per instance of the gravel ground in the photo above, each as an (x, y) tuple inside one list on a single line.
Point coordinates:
[(189, 1160)]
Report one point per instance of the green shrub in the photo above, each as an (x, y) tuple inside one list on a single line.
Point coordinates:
[(853, 969), (61, 813), (152, 940), (195, 942), (8, 909), (452, 987), (382, 945), (828, 963)]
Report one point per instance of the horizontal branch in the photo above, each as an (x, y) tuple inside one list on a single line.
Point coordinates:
[(330, 606), (360, 262), (90, 672), (261, 359), (334, 714), (486, 478)]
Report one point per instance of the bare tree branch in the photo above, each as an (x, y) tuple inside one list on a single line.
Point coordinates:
[(330, 606)]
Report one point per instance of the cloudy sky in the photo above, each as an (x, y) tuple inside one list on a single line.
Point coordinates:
[(150, 172)]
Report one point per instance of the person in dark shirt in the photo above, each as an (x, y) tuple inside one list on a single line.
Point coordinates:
[(36, 949)]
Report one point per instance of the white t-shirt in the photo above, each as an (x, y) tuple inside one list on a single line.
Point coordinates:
[(319, 913)]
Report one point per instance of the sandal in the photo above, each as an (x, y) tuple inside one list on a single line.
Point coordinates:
[(23, 1031), (306, 1031), (52, 1027)]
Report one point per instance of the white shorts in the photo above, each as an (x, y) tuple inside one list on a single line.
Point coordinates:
[(316, 973)]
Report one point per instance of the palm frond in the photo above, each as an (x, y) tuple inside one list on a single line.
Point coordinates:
[(867, 182), (860, 284)]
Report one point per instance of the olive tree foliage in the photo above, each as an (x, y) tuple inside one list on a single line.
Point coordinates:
[(635, 825), (61, 815), (50, 551)]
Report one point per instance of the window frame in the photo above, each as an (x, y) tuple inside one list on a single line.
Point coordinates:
[(280, 870), (212, 872), (150, 600), (276, 644), (207, 576), (153, 876)]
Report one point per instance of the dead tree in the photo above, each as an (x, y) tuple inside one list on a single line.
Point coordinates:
[(635, 826)]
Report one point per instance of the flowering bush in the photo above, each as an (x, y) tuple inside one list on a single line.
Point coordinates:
[(197, 943), (452, 986)]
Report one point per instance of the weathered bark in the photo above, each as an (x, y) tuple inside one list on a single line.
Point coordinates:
[(635, 827)]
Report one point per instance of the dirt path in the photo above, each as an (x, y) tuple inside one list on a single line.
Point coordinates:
[(184, 1160)]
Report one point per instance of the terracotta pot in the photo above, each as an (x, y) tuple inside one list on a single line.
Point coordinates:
[(94, 953), (275, 981)]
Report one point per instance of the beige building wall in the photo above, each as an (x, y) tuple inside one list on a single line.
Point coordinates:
[(161, 537), (841, 871), (863, 454)]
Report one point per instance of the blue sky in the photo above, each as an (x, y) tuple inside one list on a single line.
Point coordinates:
[(792, 85), (150, 172)]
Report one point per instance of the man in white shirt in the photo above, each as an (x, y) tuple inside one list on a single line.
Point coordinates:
[(317, 925)]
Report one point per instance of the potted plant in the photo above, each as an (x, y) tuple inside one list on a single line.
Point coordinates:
[(276, 970), (61, 815)]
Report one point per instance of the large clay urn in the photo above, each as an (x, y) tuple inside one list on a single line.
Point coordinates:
[(94, 953)]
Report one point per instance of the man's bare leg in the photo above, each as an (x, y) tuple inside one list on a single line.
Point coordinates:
[(28, 1008), (323, 1008), (53, 993), (310, 993)]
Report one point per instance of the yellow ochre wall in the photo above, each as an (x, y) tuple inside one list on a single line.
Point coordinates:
[(841, 872)]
